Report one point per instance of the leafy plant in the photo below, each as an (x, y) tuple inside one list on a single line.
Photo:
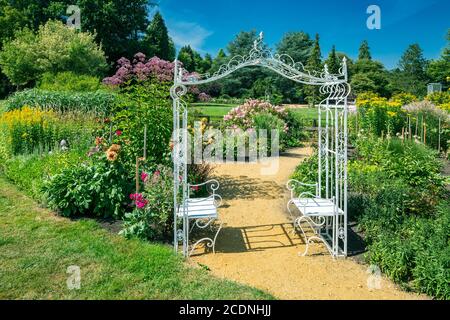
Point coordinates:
[(30, 130), (98, 102), (69, 81), (99, 189)]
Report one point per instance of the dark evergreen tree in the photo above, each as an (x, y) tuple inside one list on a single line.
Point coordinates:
[(333, 62), (364, 51), (314, 64), (157, 41)]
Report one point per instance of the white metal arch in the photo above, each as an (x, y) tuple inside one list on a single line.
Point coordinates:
[(332, 142)]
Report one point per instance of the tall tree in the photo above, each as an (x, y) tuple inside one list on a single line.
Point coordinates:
[(298, 45), (240, 84), (242, 43), (207, 63), (369, 75), (333, 61), (364, 51), (412, 66), (314, 64), (157, 39), (186, 56)]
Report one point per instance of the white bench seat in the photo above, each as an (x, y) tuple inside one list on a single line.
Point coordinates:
[(199, 208), (316, 207)]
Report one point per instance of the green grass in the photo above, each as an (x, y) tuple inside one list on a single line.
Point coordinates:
[(2, 106), (37, 247), (216, 111)]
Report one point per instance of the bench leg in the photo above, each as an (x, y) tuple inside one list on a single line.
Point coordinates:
[(314, 226), (210, 242)]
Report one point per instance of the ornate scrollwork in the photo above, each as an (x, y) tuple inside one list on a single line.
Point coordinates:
[(283, 64)]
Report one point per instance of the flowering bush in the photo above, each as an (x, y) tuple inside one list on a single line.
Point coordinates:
[(141, 69), (152, 216), (204, 97), (97, 187), (440, 99), (379, 116), (243, 116)]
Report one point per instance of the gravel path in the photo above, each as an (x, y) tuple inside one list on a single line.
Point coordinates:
[(257, 246)]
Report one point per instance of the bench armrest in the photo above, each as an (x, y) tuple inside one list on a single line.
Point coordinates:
[(214, 185), (291, 184)]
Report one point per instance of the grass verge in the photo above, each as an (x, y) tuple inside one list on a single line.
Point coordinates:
[(37, 247)]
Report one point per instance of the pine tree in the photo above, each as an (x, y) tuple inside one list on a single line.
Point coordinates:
[(333, 62), (412, 66), (364, 51), (157, 41), (314, 64)]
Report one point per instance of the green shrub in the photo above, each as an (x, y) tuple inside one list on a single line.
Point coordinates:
[(415, 252), (100, 189), (415, 164), (88, 102), (54, 48), (296, 133), (69, 81), (30, 171), (397, 196), (268, 122)]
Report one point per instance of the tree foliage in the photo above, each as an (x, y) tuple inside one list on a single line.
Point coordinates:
[(53, 48), (364, 51), (117, 24), (314, 64), (157, 41), (411, 75), (333, 62)]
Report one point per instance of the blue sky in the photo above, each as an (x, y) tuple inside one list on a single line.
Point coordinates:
[(208, 25)]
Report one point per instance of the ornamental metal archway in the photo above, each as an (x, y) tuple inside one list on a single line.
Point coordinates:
[(332, 135)]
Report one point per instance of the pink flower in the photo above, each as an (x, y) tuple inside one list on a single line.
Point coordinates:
[(138, 200), (141, 203), (144, 176), (195, 188), (118, 133)]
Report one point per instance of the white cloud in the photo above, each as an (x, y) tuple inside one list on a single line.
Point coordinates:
[(188, 33)]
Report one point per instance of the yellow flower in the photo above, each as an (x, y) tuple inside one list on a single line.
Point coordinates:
[(392, 114)]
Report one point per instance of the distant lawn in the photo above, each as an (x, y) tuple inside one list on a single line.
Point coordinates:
[(36, 247), (216, 111)]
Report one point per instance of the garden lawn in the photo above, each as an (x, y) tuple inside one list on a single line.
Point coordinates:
[(216, 111), (37, 247)]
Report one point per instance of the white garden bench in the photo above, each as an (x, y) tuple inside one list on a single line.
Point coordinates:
[(316, 212), (202, 212)]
